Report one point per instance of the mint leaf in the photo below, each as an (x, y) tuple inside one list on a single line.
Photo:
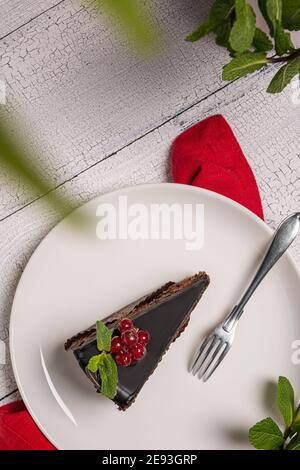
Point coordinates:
[(244, 64), (274, 11), (222, 34), (109, 375), (266, 435), (296, 421), (286, 400), (221, 11), (204, 29), (284, 76), (294, 443), (93, 364), (291, 14), (261, 41), (243, 30), (263, 8), (104, 335), (283, 42)]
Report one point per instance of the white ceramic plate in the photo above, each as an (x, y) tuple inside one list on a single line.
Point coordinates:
[(73, 279)]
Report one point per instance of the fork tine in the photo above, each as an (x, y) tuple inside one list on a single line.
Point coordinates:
[(210, 359), (217, 362), (199, 352), (203, 354)]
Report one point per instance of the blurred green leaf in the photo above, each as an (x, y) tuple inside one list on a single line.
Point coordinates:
[(16, 158), (133, 18)]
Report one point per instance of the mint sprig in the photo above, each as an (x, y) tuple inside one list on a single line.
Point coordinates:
[(286, 400), (234, 24), (104, 363), (109, 375), (267, 435), (104, 336)]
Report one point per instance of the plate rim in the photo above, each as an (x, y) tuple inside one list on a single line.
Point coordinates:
[(165, 185)]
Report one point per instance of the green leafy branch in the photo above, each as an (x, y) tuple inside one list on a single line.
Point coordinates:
[(234, 24), (267, 435), (103, 363)]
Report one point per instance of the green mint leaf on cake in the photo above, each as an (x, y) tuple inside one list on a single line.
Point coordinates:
[(109, 375), (105, 365), (104, 335), (285, 400), (93, 364), (266, 435)]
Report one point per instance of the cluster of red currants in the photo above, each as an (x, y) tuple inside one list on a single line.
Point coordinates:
[(130, 346)]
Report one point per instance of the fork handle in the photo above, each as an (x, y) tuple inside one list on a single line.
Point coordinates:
[(283, 237)]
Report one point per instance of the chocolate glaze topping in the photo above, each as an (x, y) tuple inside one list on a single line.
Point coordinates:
[(164, 313)]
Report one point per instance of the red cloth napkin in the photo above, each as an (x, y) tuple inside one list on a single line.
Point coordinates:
[(206, 155), (209, 156), (18, 431)]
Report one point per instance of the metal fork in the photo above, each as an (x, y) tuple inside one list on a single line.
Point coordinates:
[(217, 344)]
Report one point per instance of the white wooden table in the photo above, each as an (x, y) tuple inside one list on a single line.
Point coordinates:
[(101, 118)]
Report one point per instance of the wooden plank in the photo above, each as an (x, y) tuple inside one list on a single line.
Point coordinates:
[(10, 398), (16, 13), (267, 127), (82, 95)]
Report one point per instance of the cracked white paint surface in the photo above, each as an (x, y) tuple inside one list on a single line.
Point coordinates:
[(81, 94), (267, 127)]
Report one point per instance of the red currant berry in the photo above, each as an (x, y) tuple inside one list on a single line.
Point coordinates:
[(129, 338), (116, 344), (138, 351), (125, 325), (123, 358), (143, 337)]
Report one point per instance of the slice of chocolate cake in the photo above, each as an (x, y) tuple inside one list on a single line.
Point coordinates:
[(162, 316)]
